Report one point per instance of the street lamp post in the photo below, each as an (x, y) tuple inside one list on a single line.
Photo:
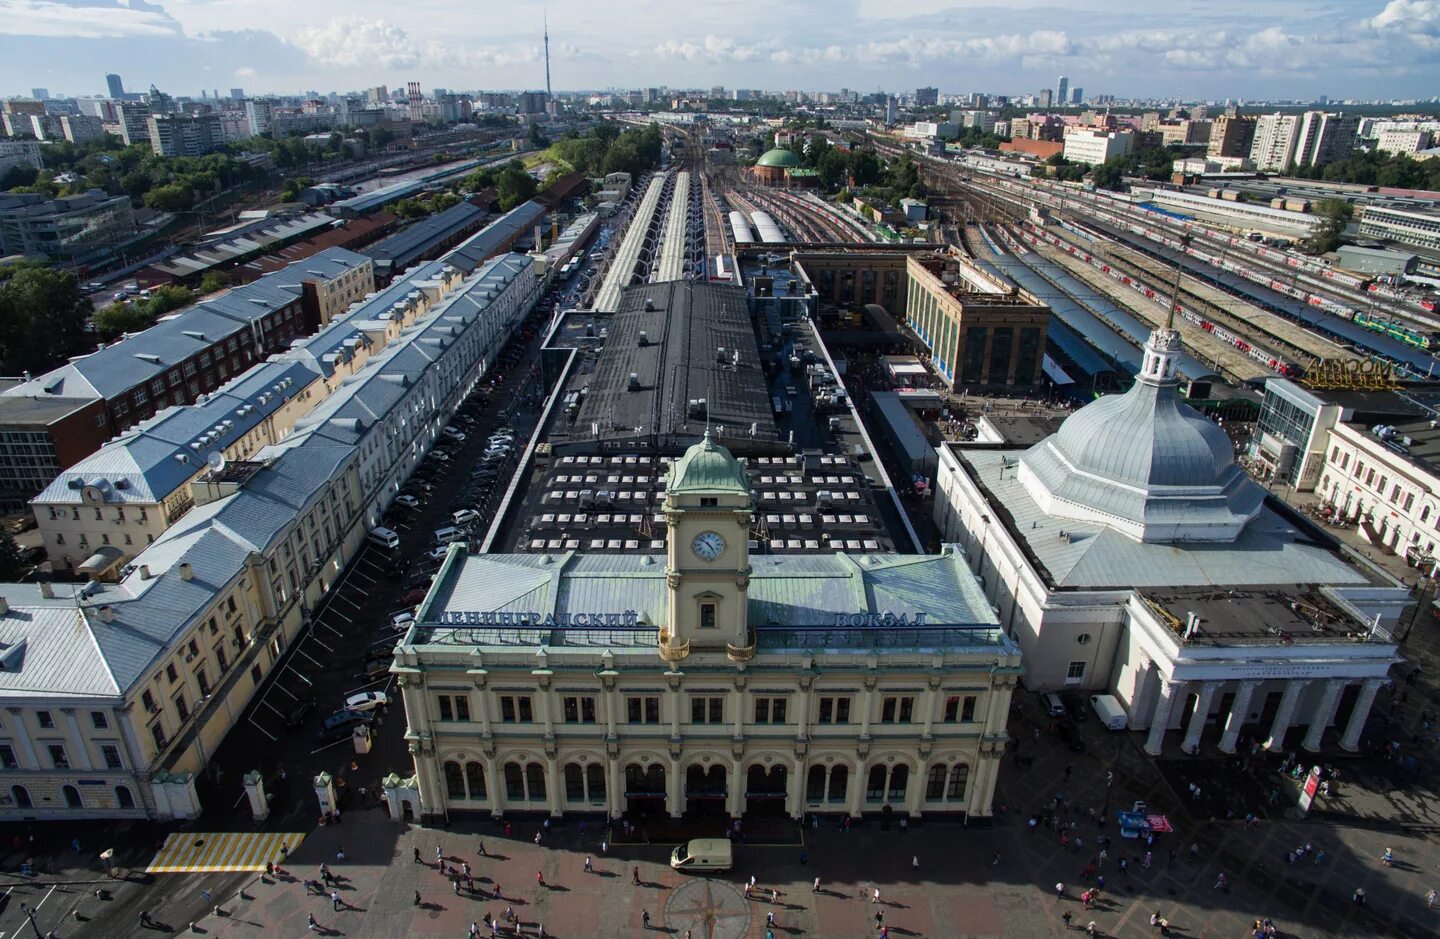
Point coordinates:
[(30, 915)]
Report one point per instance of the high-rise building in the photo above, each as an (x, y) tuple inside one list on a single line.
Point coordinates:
[(412, 94), (159, 101), (115, 86), (1325, 137), (237, 93), (889, 110), (40, 94), (927, 97), (1275, 137), (1062, 91), (133, 122), (259, 111), (185, 135), (1044, 98), (79, 128), (1077, 95), (1231, 136)]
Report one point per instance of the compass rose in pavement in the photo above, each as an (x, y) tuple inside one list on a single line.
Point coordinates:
[(711, 909)]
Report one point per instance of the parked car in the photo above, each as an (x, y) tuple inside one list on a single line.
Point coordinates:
[(1075, 705), (415, 596), (298, 712), (343, 722), (453, 434), (440, 455), (376, 669), (402, 618), (1071, 735), (409, 501), (438, 552), (367, 701), (465, 516)]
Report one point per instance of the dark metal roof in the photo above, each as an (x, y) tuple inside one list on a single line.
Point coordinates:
[(680, 362)]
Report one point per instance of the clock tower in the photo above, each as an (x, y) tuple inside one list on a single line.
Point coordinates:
[(708, 509)]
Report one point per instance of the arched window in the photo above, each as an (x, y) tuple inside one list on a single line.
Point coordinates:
[(124, 798), (899, 776), (454, 780), (839, 783), (935, 782), (959, 779), (815, 784), (475, 780), (574, 783), (72, 797), (595, 783), (535, 782), (514, 782), (21, 795), (875, 784)]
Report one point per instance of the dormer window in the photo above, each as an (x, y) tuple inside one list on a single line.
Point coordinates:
[(709, 502)]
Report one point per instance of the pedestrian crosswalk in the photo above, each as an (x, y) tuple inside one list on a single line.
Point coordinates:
[(222, 852)]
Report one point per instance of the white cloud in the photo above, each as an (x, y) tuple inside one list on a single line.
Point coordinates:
[(97, 20), (351, 42)]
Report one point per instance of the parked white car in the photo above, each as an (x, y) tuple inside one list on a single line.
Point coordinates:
[(367, 701)]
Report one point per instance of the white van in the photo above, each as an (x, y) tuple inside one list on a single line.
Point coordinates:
[(703, 854), (448, 535), (1108, 709), (385, 538)]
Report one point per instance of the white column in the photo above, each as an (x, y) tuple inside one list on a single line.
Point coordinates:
[(1164, 702), (1291, 698), (1239, 711), (734, 790), (1196, 727), (795, 790), (553, 798), (1324, 714), (1356, 726), (674, 790), (78, 751), (615, 789)]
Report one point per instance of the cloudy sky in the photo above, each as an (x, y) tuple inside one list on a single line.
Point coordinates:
[(1215, 49)]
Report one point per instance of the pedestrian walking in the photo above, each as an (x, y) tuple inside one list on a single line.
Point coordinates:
[(752, 881), (1388, 858), (770, 918), (1358, 896), (1124, 866), (1090, 928), (456, 882), (1431, 898), (537, 839), (417, 898), (635, 875), (645, 918), (774, 895), (1065, 918), (1220, 881), (875, 898), (496, 884), (914, 862), (439, 855), (604, 846), (311, 924), (540, 878), (1148, 857), (995, 861), (1100, 858), (417, 854), (589, 867), (879, 918), (815, 888), (1059, 890)]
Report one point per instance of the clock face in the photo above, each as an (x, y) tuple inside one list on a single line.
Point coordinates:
[(708, 545)]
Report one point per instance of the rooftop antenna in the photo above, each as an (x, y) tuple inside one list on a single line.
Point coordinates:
[(545, 18)]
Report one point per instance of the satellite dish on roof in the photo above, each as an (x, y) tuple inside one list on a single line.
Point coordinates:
[(215, 460)]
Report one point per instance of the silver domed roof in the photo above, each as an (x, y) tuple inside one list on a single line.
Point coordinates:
[(1145, 463)]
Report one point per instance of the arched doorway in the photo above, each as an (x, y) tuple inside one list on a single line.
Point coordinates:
[(886, 784), (524, 783), (124, 798), (826, 787), (584, 785), (72, 797), (765, 791), (644, 790), (705, 791), (21, 795)]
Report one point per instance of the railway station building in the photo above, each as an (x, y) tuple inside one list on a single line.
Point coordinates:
[(1128, 554), (706, 681)]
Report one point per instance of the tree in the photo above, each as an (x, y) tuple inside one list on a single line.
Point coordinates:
[(173, 197), (1109, 176), (119, 318), (832, 167), (516, 186), (538, 140), (164, 299), (213, 281), (865, 167), (17, 176), (1334, 215), (12, 568), (42, 317)]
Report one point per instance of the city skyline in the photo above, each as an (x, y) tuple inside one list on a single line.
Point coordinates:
[(1369, 48)]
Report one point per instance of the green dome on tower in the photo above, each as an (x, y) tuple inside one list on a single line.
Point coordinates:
[(779, 157), (707, 467)]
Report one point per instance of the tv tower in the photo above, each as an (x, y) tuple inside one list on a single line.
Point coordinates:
[(546, 20)]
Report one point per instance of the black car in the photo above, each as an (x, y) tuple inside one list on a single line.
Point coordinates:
[(1071, 735), (298, 712), (340, 724), (1074, 705)]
